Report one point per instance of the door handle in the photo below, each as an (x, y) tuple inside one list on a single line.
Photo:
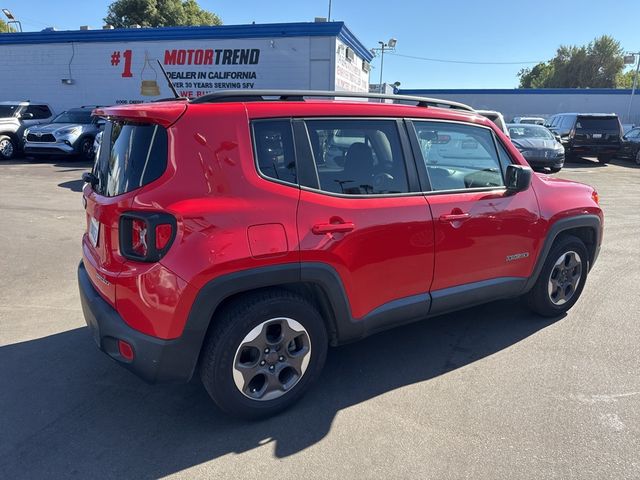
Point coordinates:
[(453, 217), (322, 228)]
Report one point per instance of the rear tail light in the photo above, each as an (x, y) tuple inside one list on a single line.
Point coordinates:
[(595, 197), (146, 236)]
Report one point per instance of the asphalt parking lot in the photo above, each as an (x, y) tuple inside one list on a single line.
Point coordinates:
[(493, 392)]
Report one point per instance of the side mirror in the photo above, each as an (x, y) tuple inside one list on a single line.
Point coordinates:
[(26, 116), (518, 178)]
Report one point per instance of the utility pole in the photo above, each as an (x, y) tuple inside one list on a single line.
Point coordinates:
[(636, 59), (390, 45), (329, 17)]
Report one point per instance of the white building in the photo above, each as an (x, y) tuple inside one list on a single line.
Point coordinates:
[(541, 102), (104, 67)]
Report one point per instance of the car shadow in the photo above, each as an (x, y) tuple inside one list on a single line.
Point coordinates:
[(86, 416), (592, 162), (73, 185)]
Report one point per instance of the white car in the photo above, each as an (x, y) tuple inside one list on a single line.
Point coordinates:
[(497, 118), (529, 120)]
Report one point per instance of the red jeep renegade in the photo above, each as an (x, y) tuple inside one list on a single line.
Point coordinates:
[(236, 236)]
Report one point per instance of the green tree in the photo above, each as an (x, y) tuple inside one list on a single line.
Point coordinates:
[(159, 13), (598, 64), (4, 28)]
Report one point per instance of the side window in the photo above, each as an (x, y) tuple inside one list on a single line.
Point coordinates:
[(567, 122), (358, 157), (459, 156), (504, 157), (274, 150), (39, 112)]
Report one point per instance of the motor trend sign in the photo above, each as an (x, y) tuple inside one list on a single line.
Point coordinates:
[(197, 71)]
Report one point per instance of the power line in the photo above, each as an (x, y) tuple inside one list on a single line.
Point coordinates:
[(467, 62)]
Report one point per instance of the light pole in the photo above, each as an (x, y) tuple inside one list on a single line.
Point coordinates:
[(12, 19), (390, 45), (630, 59), (329, 17)]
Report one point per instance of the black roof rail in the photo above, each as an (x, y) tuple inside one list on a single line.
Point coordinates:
[(300, 95)]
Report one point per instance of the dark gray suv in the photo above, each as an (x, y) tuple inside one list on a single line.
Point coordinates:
[(70, 133)]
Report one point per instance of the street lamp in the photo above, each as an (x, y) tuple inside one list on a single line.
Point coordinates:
[(630, 59), (11, 18), (390, 45)]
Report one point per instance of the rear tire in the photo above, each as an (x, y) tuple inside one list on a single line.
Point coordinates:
[(637, 157), (263, 354), (561, 279), (8, 147), (604, 159), (555, 170)]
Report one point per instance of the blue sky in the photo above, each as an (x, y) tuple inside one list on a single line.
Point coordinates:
[(465, 30)]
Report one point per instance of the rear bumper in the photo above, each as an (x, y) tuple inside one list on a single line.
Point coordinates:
[(593, 149), (155, 360)]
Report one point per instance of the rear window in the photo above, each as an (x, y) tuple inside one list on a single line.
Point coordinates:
[(131, 155), (597, 123)]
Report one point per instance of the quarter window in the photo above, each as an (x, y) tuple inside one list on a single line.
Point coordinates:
[(274, 150), (459, 156), (358, 157)]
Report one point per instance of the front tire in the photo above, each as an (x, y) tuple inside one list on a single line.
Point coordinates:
[(85, 152), (604, 159), (8, 147), (561, 279), (263, 354), (637, 157), (555, 169)]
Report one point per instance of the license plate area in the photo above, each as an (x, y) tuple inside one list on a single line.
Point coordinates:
[(597, 135), (94, 231)]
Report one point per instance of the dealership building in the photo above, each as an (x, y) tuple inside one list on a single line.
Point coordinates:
[(120, 66), (541, 102)]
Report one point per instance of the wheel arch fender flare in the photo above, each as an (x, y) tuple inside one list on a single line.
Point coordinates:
[(559, 227), (215, 292)]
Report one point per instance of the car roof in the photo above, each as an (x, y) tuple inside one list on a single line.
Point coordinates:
[(589, 114), (521, 125), (22, 102), (167, 111)]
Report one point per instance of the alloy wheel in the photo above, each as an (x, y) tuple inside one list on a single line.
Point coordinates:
[(6, 148), (565, 277), (271, 359)]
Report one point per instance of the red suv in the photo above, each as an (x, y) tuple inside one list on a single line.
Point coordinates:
[(236, 236)]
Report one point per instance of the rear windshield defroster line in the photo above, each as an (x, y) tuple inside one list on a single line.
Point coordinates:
[(131, 155)]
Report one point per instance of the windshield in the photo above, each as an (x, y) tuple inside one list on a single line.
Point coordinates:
[(8, 111), (530, 131), (74, 116)]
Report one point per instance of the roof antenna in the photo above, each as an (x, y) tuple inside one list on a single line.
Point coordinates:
[(169, 82)]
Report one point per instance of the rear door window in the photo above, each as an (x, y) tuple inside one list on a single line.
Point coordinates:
[(40, 112), (358, 156), (131, 155)]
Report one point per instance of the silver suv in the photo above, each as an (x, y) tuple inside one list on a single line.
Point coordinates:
[(15, 117), (70, 133)]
